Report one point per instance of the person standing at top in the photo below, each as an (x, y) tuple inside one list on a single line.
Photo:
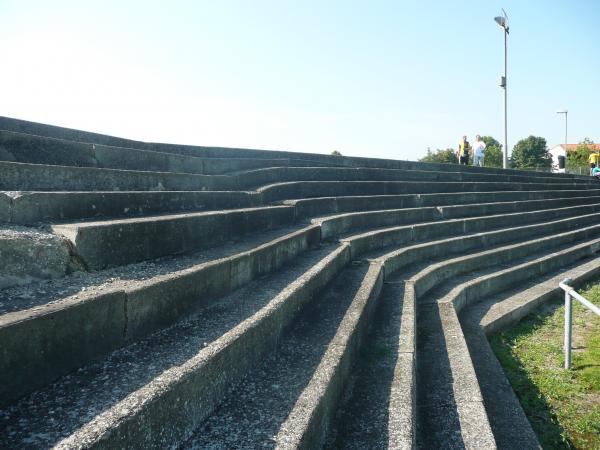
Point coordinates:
[(463, 151), (478, 151)]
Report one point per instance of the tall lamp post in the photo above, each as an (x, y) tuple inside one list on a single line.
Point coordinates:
[(502, 22)]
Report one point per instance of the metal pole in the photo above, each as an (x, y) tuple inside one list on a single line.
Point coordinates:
[(568, 328), (566, 140), (505, 162)]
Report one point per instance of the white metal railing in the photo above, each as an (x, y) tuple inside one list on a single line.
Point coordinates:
[(570, 293)]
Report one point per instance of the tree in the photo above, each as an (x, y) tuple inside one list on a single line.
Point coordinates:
[(446, 156), (493, 152), (336, 153), (577, 160), (531, 153)]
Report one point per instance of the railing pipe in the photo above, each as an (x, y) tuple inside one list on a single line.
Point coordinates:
[(569, 294)]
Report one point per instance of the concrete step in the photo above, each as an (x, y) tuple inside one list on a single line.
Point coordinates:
[(39, 129), (450, 405), (49, 329), (27, 148), (118, 242), (27, 255), (275, 174), (307, 189), (31, 208), (324, 206), (178, 376), (339, 224), (386, 382), (509, 424), (37, 177), (288, 401), (393, 236)]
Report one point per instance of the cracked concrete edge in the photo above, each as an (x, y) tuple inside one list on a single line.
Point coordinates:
[(185, 395), (308, 423)]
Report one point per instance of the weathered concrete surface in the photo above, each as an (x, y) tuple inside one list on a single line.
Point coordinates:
[(37, 177), (34, 128), (264, 176), (30, 208), (117, 242), (27, 255), (40, 344), (306, 189), (322, 206), (187, 391), (309, 422)]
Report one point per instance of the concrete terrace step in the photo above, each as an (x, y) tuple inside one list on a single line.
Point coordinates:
[(38, 177), (337, 225), (307, 189), (51, 328), (453, 403), (117, 242), (27, 148), (30, 208), (491, 314), (264, 176), (322, 206), (65, 309), (387, 391), (40, 129), (290, 398), (393, 236), (179, 375)]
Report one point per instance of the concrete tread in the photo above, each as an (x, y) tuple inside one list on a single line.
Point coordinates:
[(104, 391)]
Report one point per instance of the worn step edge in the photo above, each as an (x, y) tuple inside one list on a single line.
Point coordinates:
[(491, 314), (394, 236), (118, 242), (306, 189), (39, 177), (406, 364), (431, 276), (32, 208), (41, 344), (495, 321), (470, 292), (324, 206), (308, 424), (266, 175), (175, 398), (338, 224)]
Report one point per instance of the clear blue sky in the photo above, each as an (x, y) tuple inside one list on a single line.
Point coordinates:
[(376, 78)]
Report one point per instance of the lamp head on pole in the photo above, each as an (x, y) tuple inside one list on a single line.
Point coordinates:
[(562, 111), (502, 21)]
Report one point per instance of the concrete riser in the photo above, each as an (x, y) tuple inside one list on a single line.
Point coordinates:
[(39, 129), (308, 424), (314, 207), (109, 244), (39, 347), (189, 400)]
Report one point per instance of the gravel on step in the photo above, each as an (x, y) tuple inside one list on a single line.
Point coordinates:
[(49, 415), (251, 417), (83, 284)]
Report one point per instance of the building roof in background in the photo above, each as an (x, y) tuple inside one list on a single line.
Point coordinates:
[(573, 147)]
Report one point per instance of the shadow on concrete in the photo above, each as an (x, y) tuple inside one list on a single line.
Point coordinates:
[(362, 421)]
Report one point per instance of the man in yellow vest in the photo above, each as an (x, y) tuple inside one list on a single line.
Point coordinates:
[(593, 160), (463, 151)]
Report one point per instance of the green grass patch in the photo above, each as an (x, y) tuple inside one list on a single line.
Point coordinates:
[(563, 406)]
